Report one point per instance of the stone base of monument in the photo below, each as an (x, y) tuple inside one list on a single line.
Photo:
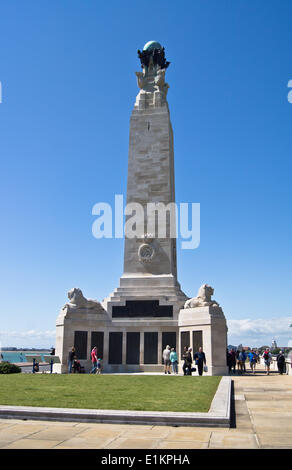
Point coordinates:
[(206, 327), (125, 345), (135, 345), (131, 331)]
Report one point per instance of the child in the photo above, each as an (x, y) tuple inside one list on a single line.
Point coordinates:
[(76, 365), (98, 366)]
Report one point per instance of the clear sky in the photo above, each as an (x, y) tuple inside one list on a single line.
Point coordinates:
[(67, 71)]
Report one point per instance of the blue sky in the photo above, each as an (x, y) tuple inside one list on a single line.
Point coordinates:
[(68, 87)]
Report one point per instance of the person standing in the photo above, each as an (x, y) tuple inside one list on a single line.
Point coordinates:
[(252, 360), (281, 362), (166, 360), (200, 359), (228, 357), (94, 360), (173, 360), (98, 371), (71, 359), (243, 359), (184, 356), (240, 362), (267, 359), (232, 360), (189, 361)]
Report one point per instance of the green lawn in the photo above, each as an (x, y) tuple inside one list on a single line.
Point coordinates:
[(148, 393)]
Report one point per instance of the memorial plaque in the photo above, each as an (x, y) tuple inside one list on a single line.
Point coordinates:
[(197, 340), (150, 347), (168, 339), (97, 340), (184, 341), (133, 348), (80, 344), (115, 347), (142, 308)]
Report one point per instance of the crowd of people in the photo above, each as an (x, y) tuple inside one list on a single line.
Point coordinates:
[(236, 361), (170, 361), (238, 358)]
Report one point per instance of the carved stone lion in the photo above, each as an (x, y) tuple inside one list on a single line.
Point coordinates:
[(203, 298), (78, 301)]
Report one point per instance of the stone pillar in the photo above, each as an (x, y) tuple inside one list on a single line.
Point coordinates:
[(159, 354), (124, 350), (211, 321), (150, 269), (141, 347), (105, 347)]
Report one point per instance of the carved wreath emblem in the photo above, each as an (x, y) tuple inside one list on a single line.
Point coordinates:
[(146, 253)]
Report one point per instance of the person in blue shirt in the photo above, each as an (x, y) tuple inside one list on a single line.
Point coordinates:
[(252, 360), (200, 359), (173, 360), (241, 361)]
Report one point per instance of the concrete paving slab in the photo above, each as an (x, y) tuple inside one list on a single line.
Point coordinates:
[(239, 397), (275, 440), (83, 443), (228, 441), (122, 443), (182, 445), (100, 433), (59, 434), (21, 428), (31, 444), (4, 443), (182, 435), (10, 435), (269, 424), (154, 433)]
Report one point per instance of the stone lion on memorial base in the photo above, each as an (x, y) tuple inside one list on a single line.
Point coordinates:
[(203, 298), (78, 301)]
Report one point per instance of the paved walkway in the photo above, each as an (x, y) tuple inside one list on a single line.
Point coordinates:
[(263, 419)]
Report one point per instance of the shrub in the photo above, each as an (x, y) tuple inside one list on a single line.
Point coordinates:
[(8, 368)]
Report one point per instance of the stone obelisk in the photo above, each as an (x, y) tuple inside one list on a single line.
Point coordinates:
[(148, 311), (150, 270)]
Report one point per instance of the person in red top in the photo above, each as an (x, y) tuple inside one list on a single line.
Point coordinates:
[(94, 360)]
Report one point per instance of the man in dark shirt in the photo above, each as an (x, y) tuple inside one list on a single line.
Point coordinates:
[(71, 359), (200, 359), (281, 362), (185, 364)]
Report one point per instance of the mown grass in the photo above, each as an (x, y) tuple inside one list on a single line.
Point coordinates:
[(148, 393)]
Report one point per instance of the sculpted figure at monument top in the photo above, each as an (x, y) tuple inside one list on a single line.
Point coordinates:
[(152, 80), (203, 298)]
